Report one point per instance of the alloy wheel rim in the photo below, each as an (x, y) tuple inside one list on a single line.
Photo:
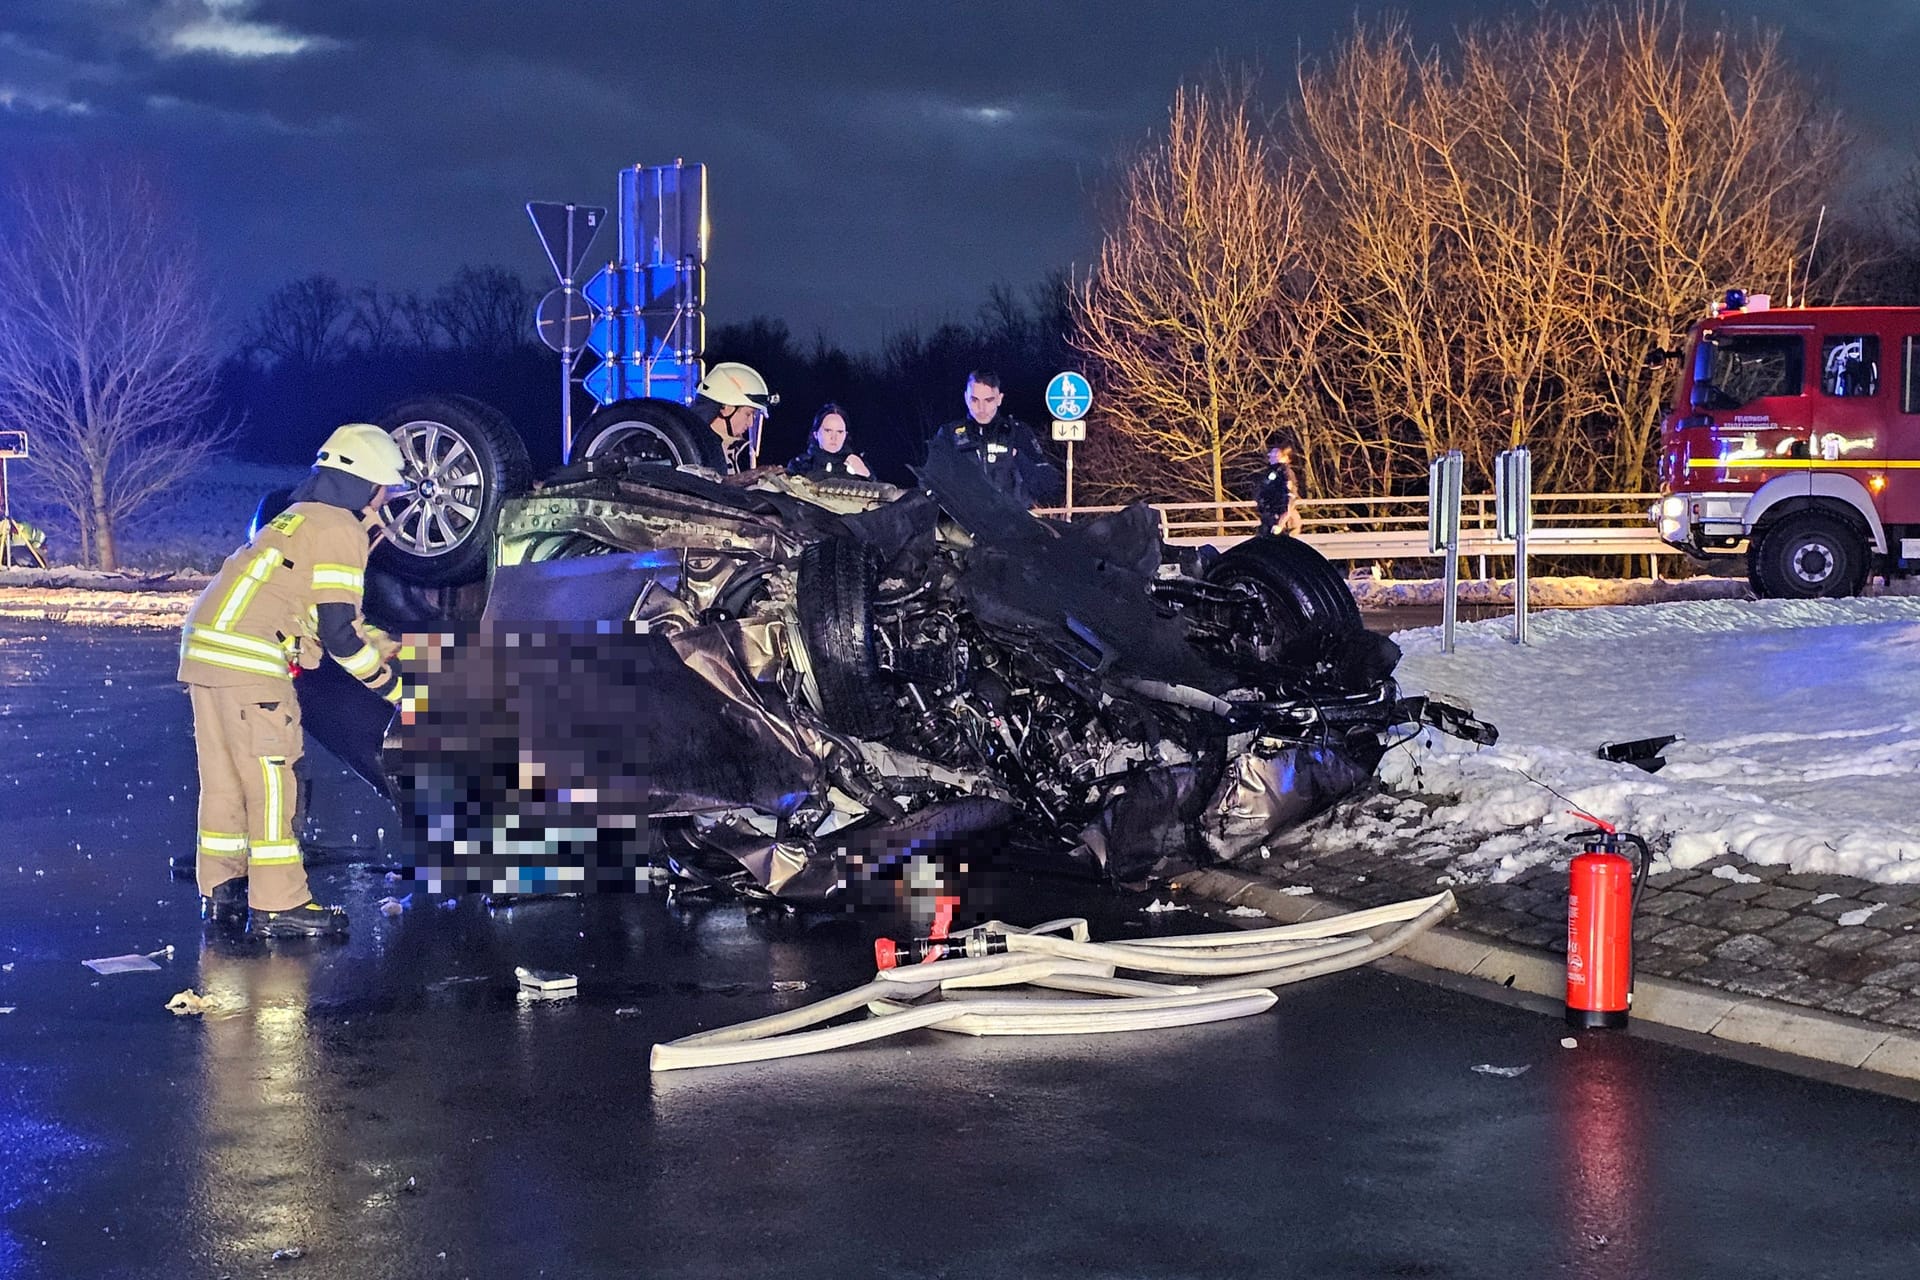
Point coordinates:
[(640, 440), (445, 488)]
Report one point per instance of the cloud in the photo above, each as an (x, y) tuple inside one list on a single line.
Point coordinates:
[(238, 39), (870, 161), (14, 98), (223, 29)]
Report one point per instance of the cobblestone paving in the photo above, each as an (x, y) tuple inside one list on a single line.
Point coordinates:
[(1752, 930)]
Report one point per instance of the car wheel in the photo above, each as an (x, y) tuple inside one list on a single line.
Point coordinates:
[(1306, 599), (397, 605), (461, 459), (273, 504), (834, 595), (565, 546), (657, 431), (1808, 555)]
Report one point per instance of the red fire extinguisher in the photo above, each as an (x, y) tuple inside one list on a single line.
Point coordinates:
[(1603, 891)]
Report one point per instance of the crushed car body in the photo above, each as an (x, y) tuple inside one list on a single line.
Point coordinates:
[(791, 685)]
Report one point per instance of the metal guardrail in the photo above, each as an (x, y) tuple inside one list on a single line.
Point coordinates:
[(1354, 529)]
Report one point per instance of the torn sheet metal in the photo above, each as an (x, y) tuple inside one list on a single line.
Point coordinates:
[(649, 680)]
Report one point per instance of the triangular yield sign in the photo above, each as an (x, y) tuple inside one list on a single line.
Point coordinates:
[(566, 231)]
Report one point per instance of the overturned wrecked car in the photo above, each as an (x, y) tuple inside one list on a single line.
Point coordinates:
[(797, 686)]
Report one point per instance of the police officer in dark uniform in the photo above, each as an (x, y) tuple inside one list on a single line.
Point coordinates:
[(1007, 448), (1277, 491)]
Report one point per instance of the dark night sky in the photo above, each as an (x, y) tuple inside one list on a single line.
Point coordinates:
[(871, 163)]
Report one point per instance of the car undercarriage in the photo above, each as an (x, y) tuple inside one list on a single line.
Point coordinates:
[(796, 688)]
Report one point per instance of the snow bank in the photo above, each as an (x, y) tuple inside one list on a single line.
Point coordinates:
[(191, 528), (1799, 725), (1386, 593)]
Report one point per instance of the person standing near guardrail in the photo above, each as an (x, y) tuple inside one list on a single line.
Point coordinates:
[(1007, 449), (1278, 491)]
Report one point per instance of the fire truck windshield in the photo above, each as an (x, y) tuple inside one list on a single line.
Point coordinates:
[(1734, 369)]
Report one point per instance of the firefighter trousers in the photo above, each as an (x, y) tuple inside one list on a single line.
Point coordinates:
[(247, 739)]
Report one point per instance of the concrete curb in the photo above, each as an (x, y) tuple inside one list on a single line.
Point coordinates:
[(1752, 1021)]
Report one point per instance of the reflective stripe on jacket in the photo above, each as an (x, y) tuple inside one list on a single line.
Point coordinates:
[(250, 622)]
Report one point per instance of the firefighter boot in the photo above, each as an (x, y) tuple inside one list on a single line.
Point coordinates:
[(226, 906), (308, 920)]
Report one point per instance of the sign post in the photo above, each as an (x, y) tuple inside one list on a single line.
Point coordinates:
[(1069, 396), (564, 317), (1513, 517), (13, 444), (1443, 533)]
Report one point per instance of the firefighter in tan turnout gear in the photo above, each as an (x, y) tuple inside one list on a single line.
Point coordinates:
[(290, 594)]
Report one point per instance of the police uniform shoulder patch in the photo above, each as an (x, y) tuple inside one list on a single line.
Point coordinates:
[(286, 522)]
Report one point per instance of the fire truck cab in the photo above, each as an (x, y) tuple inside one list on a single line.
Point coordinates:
[(1794, 435)]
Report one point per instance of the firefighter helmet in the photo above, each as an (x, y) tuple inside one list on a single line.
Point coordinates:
[(364, 450), (737, 384)]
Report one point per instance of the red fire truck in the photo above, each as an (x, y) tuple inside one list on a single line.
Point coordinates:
[(1795, 433)]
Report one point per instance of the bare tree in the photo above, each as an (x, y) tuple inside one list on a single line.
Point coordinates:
[(106, 349), (303, 322), (1502, 234), (421, 321), (378, 320), (1183, 319), (1470, 249), (485, 310), (1717, 161)]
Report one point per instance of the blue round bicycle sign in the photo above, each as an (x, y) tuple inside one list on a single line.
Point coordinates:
[(1069, 396)]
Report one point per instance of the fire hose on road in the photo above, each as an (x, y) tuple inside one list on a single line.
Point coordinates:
[(1238, 972)]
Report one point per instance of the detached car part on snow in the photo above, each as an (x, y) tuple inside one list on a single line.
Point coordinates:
[(799, 684)]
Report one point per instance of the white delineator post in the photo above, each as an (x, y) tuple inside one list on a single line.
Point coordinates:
[(1513, 517), (1443, 533)]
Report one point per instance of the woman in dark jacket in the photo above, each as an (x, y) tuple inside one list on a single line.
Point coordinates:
[(828, 455)]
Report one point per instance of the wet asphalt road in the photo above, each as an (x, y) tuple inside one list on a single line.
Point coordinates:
[(393, 1109)]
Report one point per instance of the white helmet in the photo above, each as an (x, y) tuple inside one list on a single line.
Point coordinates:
[(364, 450), (737, 384)]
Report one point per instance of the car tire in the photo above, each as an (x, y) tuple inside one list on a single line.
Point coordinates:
[(462, 460), (834, 596), (397, 605), (1808, 556), (276, 501), (658, 431), (1307, 601)]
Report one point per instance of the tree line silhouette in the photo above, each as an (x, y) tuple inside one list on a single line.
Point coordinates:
[(319, 353)]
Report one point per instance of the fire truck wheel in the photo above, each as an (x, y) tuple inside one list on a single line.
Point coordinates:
[(657, 431), (462, 459), (1808, 555)]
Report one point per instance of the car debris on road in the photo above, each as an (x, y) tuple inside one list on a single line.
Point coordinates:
[(793, 688)]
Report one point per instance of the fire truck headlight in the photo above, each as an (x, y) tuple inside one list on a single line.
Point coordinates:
[(1673, 507), (1670, 528)]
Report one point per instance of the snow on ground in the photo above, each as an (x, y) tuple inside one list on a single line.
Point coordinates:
[(1373, 592), (1386, 593), (1799, 725), (193, 527), (96, 606), (1800, 721)]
